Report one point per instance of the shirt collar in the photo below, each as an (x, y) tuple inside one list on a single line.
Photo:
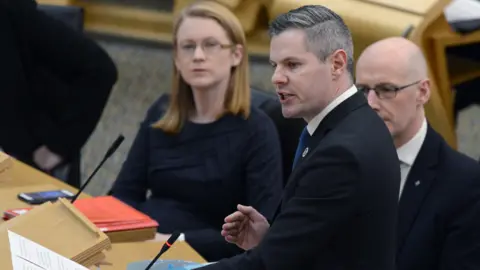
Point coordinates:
[(315, 122), (408, 152)]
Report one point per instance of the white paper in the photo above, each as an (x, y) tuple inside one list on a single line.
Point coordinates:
[(28, 255), (462, 10)]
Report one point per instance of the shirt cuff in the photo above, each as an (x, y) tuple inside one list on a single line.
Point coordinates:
[(181, 237)]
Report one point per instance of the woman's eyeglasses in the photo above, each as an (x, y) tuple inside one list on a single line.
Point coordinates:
[(208, 47)]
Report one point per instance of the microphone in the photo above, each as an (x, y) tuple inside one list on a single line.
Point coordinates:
[(407, 31), (165, 247), (109, 153)]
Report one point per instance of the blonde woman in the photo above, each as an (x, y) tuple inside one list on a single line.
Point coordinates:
[(210, 149)]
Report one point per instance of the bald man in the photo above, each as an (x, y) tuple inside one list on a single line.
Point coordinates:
[(439, 212)]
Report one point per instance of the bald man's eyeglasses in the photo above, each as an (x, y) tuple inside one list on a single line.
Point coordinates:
[(384, 90)]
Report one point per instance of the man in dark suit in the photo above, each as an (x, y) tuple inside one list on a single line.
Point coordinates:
[(54, 84), (439, 214), (339, 207)]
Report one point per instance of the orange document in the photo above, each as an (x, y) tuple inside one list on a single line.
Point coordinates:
[(110, 214)]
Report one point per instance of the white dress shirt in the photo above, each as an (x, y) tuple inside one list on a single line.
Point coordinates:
[(181, 237), (408, 152), (315, 122)]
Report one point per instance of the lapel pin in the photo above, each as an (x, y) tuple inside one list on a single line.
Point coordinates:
[(305, 152), (417, 183)]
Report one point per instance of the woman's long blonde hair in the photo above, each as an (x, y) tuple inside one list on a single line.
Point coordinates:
[(237, 97)]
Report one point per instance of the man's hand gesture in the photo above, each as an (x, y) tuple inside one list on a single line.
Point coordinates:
[(245, 228)]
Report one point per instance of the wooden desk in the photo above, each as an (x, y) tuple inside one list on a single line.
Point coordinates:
[(123, 254), (24, 175), (9, 200), (27, 179)]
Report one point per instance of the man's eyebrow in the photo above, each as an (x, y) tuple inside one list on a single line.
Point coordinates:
[(286, 59), (385, 82), (376, 84)]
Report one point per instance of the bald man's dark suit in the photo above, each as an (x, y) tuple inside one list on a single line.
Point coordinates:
[(439, 215), (339, 208)]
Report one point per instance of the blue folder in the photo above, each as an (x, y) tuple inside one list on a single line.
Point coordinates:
[(165, 265)]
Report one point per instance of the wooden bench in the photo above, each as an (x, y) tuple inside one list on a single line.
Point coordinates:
[(369, 21)]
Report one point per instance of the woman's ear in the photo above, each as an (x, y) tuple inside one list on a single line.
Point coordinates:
[(175, 60), (237, 55)]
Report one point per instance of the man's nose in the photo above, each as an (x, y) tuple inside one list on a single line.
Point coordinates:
[(372, 99), (278, 78)]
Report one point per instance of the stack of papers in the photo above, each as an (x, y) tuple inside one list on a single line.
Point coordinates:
[(6, 164), (74, 236), (29, 255), (118, 220)]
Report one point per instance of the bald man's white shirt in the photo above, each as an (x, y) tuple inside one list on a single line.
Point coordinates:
[(408, 152)]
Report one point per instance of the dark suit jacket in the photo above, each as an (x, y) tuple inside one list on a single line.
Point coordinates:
[(439, 215), (54, 82), (339, 208)]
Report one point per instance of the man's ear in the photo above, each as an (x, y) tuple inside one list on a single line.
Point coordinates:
[(339, 63), (423, 92)]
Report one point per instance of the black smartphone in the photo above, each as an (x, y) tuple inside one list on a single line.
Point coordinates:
[(45, 196)]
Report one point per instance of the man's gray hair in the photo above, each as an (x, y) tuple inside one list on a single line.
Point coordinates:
[(325, 30)]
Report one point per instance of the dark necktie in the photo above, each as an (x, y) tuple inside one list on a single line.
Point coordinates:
[(301, 146)]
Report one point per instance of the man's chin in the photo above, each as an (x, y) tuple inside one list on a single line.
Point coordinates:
[(290, 113), (390, 127)]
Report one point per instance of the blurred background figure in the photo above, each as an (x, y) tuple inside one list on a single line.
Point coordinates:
[(204, 149), (55, 84)]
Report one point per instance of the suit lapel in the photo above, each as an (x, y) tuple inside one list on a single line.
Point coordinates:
[(330, 121), (418, 185), (327, 124)]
